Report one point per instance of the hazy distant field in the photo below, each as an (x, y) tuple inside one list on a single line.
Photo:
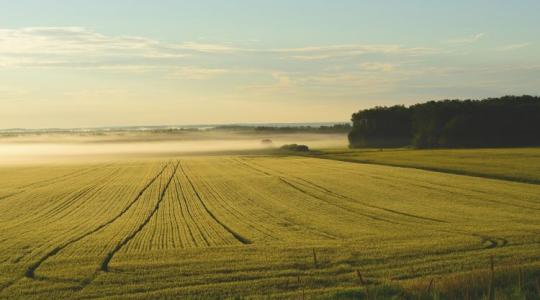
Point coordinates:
[(98, 146), (209, 226)]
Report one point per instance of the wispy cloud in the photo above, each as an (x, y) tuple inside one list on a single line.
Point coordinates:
[(197, 73), (67, 40), (78, 47), (513, 47), (208, 48), (467, 39), (337, 51), (378, 67), (255, 70)]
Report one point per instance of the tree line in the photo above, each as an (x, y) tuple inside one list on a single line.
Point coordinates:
[(508, 121), (335, 128)]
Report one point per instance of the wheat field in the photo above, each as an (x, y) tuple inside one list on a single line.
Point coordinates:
[(249, 226)]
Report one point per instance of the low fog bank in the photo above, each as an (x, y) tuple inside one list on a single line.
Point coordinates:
[(63, 148)]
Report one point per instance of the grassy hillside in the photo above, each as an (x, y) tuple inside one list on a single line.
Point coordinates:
[(516, 164), (251, 226)]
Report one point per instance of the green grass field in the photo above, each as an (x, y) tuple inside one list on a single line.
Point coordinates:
[(260, 226), (516, 164)]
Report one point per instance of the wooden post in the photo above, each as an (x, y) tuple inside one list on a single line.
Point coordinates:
[(430, 286), (363, 282), (314, 258), (491, 295), (520, 279)]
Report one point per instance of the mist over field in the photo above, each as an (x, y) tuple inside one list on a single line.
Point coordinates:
[(54, 148)]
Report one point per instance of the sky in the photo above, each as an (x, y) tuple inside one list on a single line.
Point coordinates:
[(79, 63)]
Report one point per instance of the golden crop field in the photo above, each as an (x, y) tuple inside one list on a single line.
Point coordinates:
[(250, 226)]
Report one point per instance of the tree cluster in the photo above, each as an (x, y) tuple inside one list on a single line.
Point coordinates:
[(295, 147), (495, 122)]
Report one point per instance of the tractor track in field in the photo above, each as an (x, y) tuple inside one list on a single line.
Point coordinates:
[(30, 272), (78, 195), (230, 209), (236, 235), (105, 263), (448, 189), (487, 241), (369, 205), (448, 172), (428, 168), (11, 195), (94, 189), (180, 191), (270, 213), (104, 266), (296, 188), (332, 193), (69, 201), (299, 189), (46, 216), (45, 182), (48, 181)]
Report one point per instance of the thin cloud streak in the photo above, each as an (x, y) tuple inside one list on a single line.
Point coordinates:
[(466, 40), (512, 47)]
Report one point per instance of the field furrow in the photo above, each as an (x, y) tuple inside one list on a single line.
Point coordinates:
[(232, 226), (105, 262)]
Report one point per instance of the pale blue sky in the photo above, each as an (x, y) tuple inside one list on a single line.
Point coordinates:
[(78, 63)]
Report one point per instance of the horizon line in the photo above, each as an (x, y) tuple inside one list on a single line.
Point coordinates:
[(177, 126)]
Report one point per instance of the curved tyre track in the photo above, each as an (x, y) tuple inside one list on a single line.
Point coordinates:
[(236, 235), (45, 182), (296, 188), (188, 215), (30, 272), (489, 242), (76, 173), (329, 192), (105, 263), (11, 195)]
